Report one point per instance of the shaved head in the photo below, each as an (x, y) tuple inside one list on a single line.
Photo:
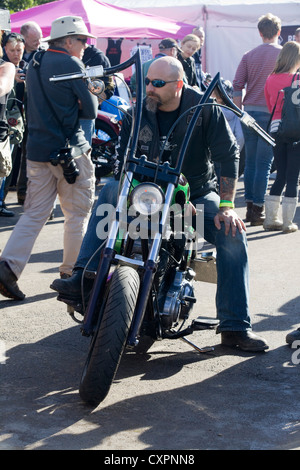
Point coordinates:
[(167, 97), (167, 68)]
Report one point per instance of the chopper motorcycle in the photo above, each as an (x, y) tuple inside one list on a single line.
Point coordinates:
[(143, 287)]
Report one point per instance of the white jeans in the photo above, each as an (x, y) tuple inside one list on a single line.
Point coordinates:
[(45, 182)]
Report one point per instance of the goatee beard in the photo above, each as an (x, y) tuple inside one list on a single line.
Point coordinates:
[(152, 105)]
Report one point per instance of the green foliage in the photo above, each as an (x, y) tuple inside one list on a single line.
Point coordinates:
[(18, 5)]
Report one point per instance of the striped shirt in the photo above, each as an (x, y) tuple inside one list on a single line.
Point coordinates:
[(252, 73)]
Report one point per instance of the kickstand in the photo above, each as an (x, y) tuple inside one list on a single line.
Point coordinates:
[(71, 312), (201, 350)]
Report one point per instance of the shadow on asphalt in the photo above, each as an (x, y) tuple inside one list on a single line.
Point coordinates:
[(39, 382)]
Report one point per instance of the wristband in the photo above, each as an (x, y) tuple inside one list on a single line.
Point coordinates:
[(226, 204)]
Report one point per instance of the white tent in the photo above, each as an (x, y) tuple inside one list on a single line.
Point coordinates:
[(231, 26)]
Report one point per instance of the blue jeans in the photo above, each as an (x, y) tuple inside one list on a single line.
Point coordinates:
[(258, 161), (232, 297), (91, 242), (232, 260), (2, 184), (88, 127)]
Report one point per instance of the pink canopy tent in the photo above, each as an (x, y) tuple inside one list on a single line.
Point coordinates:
[(103, 20)]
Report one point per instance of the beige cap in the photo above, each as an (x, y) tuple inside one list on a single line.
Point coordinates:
[(68, 26)]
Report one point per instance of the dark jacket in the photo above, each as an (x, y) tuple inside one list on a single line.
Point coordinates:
[(199, 72), (189, 68), (212, 140), (27, 56), (45, 133)]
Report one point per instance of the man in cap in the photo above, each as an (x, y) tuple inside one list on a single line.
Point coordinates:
[(167, 47), (54, 110)]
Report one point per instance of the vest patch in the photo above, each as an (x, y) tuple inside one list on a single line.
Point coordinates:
[(191, 114), (146, 134)]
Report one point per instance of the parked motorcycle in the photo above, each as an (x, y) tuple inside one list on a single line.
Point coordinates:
[(143, 288), (107, 129)]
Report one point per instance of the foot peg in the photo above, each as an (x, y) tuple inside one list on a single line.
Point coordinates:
[(202, 323), (73, 305)]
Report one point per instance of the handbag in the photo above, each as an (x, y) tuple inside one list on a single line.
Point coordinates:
[(15, 120), (289, 126), (5, 158)]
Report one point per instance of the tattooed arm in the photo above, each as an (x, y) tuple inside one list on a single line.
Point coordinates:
[(227, 188), (227, 214)]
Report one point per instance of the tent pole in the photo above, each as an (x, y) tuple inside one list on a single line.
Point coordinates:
[(204, 16)]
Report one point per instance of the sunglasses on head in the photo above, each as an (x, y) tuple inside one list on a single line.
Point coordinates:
[(157, 83), (8, 37), (82, 40)]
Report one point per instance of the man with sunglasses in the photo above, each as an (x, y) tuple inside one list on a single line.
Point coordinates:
[(167, 47), (167, 99), (54, 110)]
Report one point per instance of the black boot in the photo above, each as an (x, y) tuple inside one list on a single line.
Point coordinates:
[(249, 212), (258, 215), (70, 286), (8, 283), (70, 289), (4, 212), (293, 336), (245, 340)]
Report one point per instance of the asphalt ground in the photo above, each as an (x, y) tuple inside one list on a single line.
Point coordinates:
[(170, 399)]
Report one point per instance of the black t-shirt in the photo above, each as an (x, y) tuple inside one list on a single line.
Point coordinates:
[(165, 122)]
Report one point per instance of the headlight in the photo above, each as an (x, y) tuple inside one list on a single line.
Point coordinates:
[(147, 198)]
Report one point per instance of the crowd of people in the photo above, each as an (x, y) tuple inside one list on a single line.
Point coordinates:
[(63, 115), (18, 48)]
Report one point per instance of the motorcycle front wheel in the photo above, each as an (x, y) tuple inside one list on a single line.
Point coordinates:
[(109, 340)]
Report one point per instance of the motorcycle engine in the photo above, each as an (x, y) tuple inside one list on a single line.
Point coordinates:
[(179, 299)]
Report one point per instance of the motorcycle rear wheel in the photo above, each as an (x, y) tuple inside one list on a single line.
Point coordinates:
[(101, 147), (109, 340)]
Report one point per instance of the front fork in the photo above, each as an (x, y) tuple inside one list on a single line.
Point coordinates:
[(109, 255), (106, 259)]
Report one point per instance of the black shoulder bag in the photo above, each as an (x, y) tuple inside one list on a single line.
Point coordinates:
[(289, 127)]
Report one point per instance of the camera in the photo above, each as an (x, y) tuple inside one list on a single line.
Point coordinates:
[(23, 68), (22, 72), (65, 158)]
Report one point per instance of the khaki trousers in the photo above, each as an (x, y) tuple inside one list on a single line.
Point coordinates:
[(45, 182)]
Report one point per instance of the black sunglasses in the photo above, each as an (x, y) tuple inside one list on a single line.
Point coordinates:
[(157, 83), (82, 40)]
